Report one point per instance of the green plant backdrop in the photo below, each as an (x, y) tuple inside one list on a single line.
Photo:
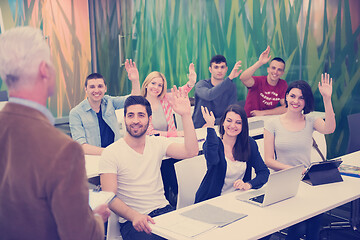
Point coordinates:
[(65, 24), (313, 36)]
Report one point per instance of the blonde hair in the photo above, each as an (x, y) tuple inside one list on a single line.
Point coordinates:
[(149, 78)]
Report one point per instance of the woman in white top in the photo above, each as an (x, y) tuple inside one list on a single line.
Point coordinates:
[(290, 136)]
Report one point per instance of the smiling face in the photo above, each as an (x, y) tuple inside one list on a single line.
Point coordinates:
[(295, 100), (95, 89), (275, 72), (136, 120), (155, 87), (232, 124), (218, 70)]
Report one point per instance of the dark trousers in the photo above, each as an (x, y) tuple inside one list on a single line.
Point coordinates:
[(310, 227), (128, 231)]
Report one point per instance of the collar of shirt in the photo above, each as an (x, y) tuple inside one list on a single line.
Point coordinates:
[(34, 105), (87, 106)]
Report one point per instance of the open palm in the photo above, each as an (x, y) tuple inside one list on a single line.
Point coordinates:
[(192, 74), (131, 69), (325, 85), (179, 101), (208, 116)]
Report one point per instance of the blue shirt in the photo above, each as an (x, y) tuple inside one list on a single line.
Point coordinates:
[(84, 124)]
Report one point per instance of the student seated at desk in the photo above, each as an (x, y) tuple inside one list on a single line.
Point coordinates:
[(216, 93), (130, 167), (154, 90), (230, 158), (265, 92), (93, 122), (290, 136)]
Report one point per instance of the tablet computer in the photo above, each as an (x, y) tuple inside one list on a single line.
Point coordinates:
[(323, 172)]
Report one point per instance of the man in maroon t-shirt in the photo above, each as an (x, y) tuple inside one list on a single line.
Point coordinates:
[(265, 92)]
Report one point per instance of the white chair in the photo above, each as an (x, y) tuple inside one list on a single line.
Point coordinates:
[(321, 142), (120, 117), (260, 143), (189, 174), (113, 228)]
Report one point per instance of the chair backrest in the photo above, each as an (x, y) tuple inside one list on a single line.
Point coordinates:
[(120, 117), (321, 142), (260, 143), (354, 133), (113, 228), (189, 174)]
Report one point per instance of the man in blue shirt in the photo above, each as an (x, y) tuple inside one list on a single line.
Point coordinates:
[(216, 93), (93, 122)]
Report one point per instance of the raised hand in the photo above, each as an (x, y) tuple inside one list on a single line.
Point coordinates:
[(325, 86), (131, 69), (236, 70), (208, 116), (180, 102), (192, 74), (264, 56)]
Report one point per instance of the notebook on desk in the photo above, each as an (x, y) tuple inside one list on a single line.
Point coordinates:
[(281, 185)]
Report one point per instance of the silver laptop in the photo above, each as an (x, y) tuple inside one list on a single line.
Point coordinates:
[(281, 185)]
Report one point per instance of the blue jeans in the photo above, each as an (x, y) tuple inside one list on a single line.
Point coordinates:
[(310, 227), (128, 231)]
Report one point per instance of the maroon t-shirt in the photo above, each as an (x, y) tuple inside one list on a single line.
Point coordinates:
[(263, 96)]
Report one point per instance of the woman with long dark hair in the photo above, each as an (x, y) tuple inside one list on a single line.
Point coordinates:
[(230, 157)]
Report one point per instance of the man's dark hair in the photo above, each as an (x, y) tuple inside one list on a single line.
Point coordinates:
[(278, 59), (94, 76), (137, 100), (218, 59)]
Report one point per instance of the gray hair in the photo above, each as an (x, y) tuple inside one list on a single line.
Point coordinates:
[(22, 49)]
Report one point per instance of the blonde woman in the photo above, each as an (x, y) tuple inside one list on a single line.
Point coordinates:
[(154, 89)]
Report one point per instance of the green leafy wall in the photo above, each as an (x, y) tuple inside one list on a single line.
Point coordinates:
[(313, 36), (65, 24)]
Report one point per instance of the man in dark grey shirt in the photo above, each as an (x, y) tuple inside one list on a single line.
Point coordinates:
[(215, 93)]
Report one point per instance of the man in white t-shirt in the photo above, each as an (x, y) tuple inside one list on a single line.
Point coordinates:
[(130, 167)]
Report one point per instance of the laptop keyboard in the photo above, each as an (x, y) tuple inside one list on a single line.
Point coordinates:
[(259, 199)]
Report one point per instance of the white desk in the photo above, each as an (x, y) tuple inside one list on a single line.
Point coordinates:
[(352, 159), (2, 104), (92, 165), (310, 201)]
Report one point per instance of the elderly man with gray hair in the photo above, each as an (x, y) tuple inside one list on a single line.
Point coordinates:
[(44, 192)]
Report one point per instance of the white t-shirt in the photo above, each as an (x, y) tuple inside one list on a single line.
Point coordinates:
[(139, 182), (234, 170), (292, 147)]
